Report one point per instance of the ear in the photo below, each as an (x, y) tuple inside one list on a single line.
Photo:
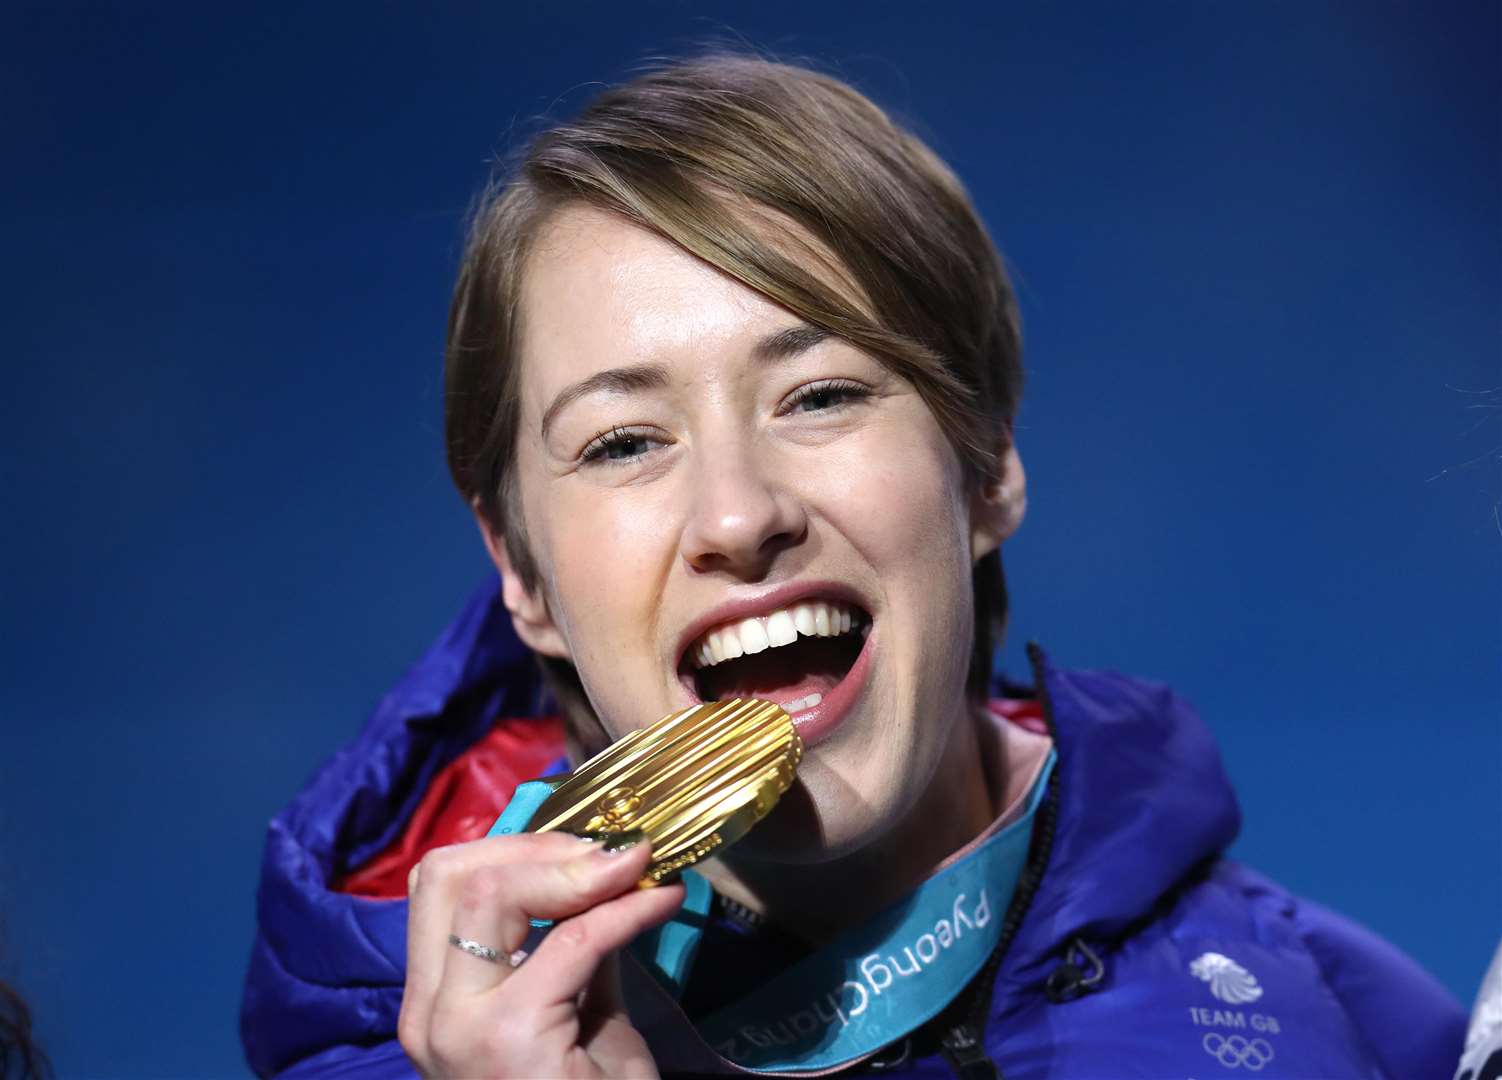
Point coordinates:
[(528, 607), (996, 509)]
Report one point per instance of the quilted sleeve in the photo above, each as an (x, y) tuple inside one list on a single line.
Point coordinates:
[(1413, 1025)]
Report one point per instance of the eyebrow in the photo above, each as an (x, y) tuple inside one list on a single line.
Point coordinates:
[(781, 345), (786, 344), (621, 380)]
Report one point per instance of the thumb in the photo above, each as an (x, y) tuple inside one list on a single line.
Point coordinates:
[(565, 965), (603, 996)]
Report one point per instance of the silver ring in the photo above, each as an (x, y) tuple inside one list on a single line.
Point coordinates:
[(474, 948)]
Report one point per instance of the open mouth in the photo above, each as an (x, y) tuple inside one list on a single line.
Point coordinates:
[(794, 656)]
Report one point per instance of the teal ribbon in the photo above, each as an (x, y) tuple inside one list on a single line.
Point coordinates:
[(524, 803), (873, 984)]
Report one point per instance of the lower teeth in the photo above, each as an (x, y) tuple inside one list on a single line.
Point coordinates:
[(803, 703)]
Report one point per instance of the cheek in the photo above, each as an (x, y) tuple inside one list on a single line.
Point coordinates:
[(602, 553), (897, 494), (900, 501)]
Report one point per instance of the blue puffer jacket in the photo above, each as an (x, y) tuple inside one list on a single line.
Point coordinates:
[(1204, 969)]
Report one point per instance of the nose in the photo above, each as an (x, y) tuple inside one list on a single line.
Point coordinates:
[(741, 515)]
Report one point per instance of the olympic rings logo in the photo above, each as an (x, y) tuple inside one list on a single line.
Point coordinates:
[(1234, 1052)]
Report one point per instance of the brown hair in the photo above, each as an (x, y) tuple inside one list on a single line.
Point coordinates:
[(720, 154), (20, 1056)]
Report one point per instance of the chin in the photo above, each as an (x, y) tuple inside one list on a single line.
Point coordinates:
[(826, 815)]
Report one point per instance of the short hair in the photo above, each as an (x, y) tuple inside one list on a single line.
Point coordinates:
[(759, 169)]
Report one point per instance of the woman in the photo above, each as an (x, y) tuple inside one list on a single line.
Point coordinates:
[(732, 369)]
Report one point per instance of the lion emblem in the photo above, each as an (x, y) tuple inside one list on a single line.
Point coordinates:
[(1228, 980)]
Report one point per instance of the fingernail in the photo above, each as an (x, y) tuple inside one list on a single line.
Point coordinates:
[(615, 843), (588, 837)]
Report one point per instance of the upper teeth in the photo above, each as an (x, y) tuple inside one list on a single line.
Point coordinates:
[(816, 618)]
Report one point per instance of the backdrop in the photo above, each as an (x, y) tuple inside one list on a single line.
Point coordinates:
[(1258, 253)]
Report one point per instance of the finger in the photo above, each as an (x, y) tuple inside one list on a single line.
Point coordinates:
[(428, 914), (568, 958), (433, 888), (495, 904), (486, 913)]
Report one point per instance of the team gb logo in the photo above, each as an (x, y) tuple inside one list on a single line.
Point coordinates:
[(1228, 980)]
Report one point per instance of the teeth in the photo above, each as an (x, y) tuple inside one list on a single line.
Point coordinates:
[(753, 636), (802, 703), (780, 629), (809, 619)]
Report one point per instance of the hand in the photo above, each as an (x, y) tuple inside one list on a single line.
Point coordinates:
[(559, 1014)]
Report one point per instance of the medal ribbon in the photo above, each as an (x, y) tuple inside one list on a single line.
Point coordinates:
[(873, 984)]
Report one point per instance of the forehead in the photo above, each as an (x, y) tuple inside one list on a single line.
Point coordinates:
[(599, 291)]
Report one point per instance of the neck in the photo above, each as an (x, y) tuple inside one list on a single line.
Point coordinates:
[(819, 900)]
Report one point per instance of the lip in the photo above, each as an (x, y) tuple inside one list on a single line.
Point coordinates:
[(818, 723), (764, 603)]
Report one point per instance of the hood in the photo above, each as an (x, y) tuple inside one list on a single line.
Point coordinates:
[(1142, 798), (327, 968)]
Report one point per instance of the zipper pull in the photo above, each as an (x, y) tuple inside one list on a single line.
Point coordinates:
[(966, 1053), (1080, 974)]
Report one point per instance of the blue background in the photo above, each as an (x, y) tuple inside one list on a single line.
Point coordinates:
[(1258, 253)]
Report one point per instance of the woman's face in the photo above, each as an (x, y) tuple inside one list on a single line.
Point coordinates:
[(704, 475)]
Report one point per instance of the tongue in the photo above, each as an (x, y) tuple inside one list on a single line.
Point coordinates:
[(784, 674)]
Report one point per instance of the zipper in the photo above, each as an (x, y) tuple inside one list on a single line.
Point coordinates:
[(963, 1043), (965, 1050)]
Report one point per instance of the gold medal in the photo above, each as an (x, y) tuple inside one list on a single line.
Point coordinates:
[(694, 782)]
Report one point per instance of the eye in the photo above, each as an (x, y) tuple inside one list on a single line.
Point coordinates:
[(618, 446), (826, 395)]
